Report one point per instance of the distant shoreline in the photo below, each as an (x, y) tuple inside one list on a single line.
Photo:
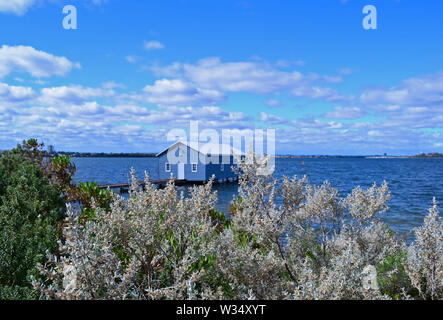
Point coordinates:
[(420, 156), (104, 155), (153, 155)]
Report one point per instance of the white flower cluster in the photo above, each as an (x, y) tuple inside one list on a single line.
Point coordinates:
[(314, 245)]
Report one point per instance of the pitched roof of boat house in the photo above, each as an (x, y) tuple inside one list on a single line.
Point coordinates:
[(199, 164)]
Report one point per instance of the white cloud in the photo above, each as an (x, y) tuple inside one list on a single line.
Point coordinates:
[(99, 2), (153, 45), (345, 113), (72, 94), (386, 108), (289, 63), (375, 133), (75, 115), (240, 76), (416, 103), (18, 7), (75, 111), (36, 63), (315, 92), (249, 76), (333, 79), (275, 120), (174, 70), (305, 126), (132, 58), (273, 103), (209, 116), (96, 125), (178, 92), (14, 94), (425, 91), (113, 85)]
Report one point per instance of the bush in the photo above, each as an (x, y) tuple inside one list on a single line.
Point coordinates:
[(316, 245), (148, 247), (424, 264), (31, 213), (90, 195)]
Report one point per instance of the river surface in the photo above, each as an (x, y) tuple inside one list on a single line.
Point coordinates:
[(412, 182)]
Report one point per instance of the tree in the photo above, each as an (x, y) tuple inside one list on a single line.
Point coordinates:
[(31, 215)]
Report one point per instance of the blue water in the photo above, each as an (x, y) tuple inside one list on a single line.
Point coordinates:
[(412, 182)]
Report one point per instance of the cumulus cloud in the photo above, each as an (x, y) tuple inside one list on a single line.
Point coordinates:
[(88, 124), (14, 94), (253, 77), (414, 103), (153, 45), (18, 7), (424, 91), (257, 77), (333, 79), (174, 70), (72, 94), (132, 59), (178, 92), (315, 92), (70, 113), (99, 2), (100, 116), (275, 120), (307, 123), (273, 103), (100, 124), (113, 85), (37, 63), (289, 63), (345, 113)]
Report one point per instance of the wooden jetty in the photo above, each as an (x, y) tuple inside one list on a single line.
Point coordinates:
[(124, 187), (177, 182)]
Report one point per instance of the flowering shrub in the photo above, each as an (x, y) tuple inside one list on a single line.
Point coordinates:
[(315, 245), (425, 258)]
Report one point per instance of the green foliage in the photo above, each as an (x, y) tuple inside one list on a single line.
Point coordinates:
[(18, 293), (220, 220), (61, 162), (392, 277), (60, 171), (31, 214), (89, 191)]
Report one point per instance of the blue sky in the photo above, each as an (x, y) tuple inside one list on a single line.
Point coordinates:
[(135, 69)]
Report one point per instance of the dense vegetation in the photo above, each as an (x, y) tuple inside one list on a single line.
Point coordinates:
[(159, 244), (34, 191), (31, 212)]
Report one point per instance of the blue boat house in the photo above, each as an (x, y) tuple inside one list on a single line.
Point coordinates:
[(186, 163)]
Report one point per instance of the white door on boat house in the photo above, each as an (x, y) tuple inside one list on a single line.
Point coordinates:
[(181, 171)]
